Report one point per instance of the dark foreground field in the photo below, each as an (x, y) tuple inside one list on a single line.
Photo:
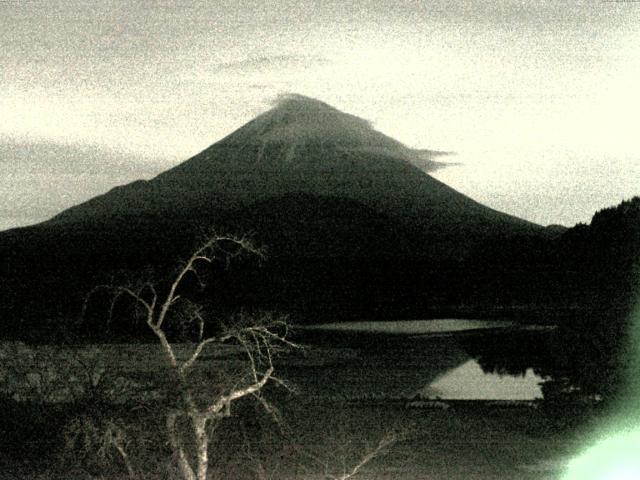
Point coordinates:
[(470, 440)]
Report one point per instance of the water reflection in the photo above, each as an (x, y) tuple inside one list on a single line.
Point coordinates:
[(447, 358), (412, 327), (470, 382), (464, 359)]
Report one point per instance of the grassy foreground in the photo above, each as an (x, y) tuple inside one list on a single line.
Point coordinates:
[(315, 433), (313, 441)]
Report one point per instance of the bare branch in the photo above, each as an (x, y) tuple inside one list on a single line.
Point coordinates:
[(189, 363), (112, 307), (277, 339), (89, 295), (154, 294), (284, 384), (273, 412), (224, 401), (120, 291), (384, 442), (205, 253), (166, 346), (115, 437), (252, 362), (200, 257)]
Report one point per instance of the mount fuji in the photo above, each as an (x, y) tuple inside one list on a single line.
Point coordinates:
[(349, 220)]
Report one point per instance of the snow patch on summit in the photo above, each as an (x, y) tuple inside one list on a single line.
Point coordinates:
[(296, 120)]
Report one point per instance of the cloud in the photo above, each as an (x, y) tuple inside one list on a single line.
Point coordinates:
[(267, 62), (426, 160)]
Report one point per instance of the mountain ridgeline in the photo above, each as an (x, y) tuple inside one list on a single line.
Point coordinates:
[(352, 226)]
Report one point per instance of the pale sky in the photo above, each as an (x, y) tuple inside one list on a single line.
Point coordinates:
[(538, 98)]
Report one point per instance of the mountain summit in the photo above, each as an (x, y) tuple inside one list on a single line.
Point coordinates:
[(297, 121)]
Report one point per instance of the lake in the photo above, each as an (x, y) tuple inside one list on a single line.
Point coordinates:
[(448, 359), (433, 359), (411, 327)]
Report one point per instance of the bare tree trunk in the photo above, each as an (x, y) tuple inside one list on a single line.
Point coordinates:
[(202, 446), (125, 458), (183, 462)]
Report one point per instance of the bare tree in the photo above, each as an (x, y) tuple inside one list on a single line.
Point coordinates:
[(258, 339), (190, 421)]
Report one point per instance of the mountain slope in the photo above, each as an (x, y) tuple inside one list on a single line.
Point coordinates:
[(302, 145)]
